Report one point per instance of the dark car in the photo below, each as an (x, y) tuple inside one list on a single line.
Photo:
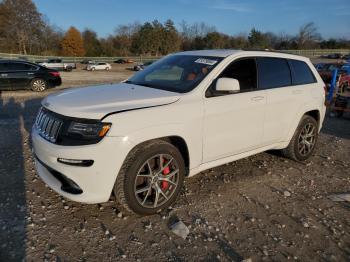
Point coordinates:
[(25, 75), (334, 56), (123, 61)]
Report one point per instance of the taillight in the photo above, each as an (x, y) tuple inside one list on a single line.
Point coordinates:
[(54, 73)]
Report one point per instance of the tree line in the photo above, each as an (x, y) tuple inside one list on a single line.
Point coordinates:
[(24, 30)]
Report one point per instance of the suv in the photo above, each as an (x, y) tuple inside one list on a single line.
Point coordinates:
[(25, 75), (185, 113)]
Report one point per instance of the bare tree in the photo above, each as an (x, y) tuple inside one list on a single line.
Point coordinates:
[(308, 36)]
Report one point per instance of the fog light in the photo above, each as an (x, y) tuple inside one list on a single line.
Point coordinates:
[(75, 162)]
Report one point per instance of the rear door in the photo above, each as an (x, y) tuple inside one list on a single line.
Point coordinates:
[(283, 98), (233, 123)]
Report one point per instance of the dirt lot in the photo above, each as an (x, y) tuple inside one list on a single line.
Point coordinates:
[(264, 207)]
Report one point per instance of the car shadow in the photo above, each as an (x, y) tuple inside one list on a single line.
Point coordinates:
[(16, 119), (339, 127)]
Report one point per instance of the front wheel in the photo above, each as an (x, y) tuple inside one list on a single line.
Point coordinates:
[(304, 140), (107, 68), (150, 178)]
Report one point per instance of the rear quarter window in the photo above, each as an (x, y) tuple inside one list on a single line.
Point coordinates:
[(301, 73), (273, 72)]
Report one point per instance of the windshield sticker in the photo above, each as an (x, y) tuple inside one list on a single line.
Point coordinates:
[(206, 61)]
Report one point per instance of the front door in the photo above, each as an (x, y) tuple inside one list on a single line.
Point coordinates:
[(233, 123)]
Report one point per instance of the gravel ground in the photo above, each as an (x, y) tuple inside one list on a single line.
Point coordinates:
[(263, 207)]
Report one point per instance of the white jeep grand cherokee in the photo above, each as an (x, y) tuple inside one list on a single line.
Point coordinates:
[(183, 114)]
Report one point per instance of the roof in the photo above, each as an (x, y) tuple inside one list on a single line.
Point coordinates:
[(214, 52), (229, 52)]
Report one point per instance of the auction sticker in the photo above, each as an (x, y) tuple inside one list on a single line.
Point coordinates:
[(206, 61)]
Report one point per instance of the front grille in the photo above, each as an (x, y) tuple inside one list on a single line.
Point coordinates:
[(48, 125)]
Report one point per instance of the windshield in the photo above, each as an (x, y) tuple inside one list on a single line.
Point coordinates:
[(176, 73)]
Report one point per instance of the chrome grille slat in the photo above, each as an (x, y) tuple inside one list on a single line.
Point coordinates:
[(48, 125)]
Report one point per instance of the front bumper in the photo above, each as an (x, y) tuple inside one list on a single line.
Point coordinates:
[(96, 182)]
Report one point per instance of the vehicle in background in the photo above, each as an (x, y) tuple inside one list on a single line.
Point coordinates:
[(142, 66), (326, 72), (333, 56), (123, 61), (319, 66), (189, 112), (346, 57), (344, 83), (58, 64), (99, 66), (86, 62), (25, 75)]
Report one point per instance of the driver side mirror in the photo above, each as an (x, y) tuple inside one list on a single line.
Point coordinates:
[(227, 85)]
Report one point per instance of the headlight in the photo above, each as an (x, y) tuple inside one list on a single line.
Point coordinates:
[(88, 130)]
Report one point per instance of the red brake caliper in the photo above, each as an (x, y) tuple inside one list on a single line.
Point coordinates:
[(166, 171)]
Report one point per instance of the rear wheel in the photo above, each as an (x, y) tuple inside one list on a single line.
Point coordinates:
[(304, 140), (107, 68), (38, 85), (151, 178)]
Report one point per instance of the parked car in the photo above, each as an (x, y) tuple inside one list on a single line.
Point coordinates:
[(142, 66), (99, 66), (87, 61), (189, 112), (123, 61), (25, 75), (58, 64), (334, 56)]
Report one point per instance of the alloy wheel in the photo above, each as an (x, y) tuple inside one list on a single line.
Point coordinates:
[(39, 85), (156, 181)]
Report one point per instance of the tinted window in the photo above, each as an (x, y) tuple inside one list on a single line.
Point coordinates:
[(244, 71), (301, 73), (273, 72), (21, 67)]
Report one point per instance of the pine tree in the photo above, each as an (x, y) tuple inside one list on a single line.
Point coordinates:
[(72, 43)]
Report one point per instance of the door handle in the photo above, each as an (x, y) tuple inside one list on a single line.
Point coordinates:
[(30, 73), (257, 98), (296, 92), (3, 75)]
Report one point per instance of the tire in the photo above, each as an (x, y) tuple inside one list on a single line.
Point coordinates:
[(302, 145), (134, 176), (107, 68), (93, 69), (38, 85), (69, 69)]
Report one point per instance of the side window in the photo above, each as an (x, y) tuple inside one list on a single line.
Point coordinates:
[(301, 73), (244, 71), (21, 67), (273, 72)]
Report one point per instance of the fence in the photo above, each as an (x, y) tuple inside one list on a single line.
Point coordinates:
[(35, 58)]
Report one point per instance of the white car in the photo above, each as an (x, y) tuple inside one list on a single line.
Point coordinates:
[(186, 113), (99, 66)]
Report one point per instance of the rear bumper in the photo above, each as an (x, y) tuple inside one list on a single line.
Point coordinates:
[(55, 82), (95, 182)]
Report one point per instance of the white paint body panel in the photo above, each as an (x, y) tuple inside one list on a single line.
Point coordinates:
[(216, 130)]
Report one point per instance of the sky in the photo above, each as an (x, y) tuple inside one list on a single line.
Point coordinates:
[(332, 17)]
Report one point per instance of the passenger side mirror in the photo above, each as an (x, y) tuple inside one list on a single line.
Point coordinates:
[(227, 85)]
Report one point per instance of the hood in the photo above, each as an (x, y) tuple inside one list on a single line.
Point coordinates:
[(97, 101)]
